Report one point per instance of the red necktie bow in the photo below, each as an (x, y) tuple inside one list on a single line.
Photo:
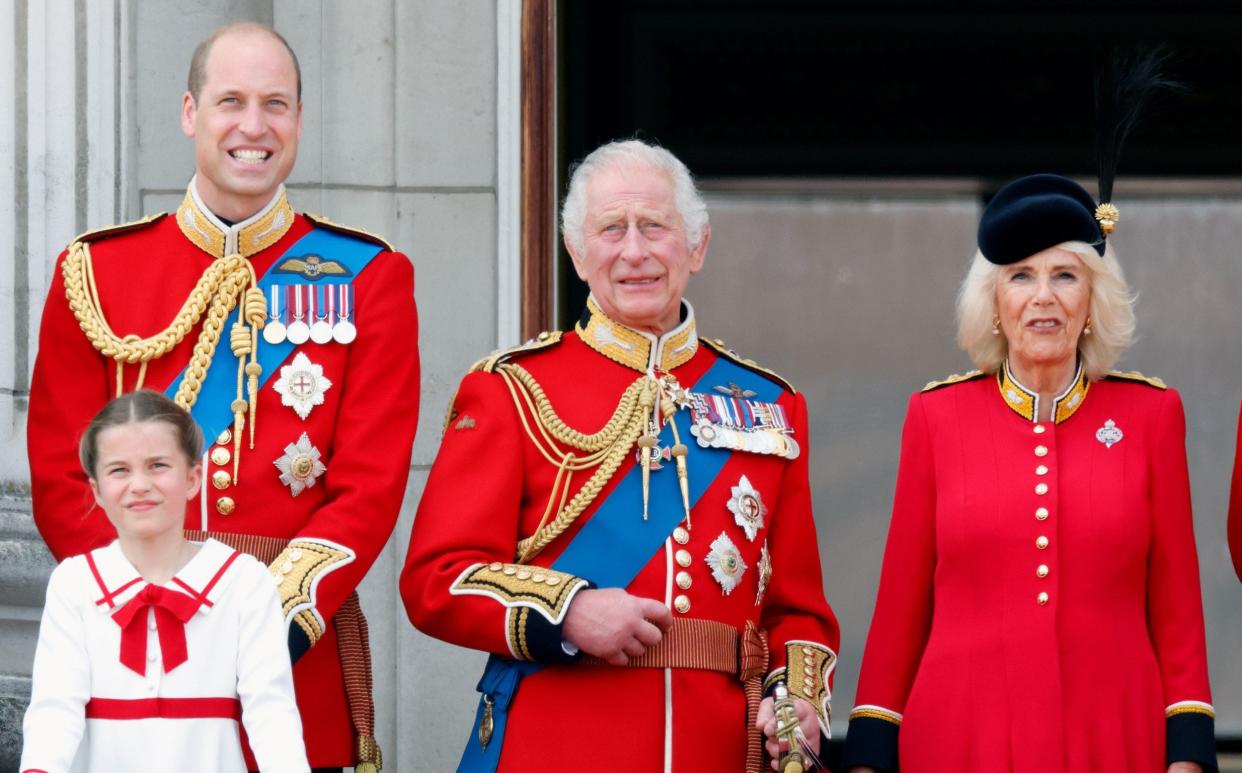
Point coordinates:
[(172, 610)]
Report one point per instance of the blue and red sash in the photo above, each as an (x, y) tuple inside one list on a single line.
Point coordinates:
[(614, 545), (213, 410)]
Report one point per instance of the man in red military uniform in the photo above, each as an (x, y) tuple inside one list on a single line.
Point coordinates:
[(616, 514), (292, 341)]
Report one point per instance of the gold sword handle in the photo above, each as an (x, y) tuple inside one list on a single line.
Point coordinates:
[(790, 761)]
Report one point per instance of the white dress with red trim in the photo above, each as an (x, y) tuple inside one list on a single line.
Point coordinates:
[(134, 676)]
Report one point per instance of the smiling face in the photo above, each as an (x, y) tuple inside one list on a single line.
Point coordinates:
[(1043, 303), (245, 123), (142, 480), (635, 256)]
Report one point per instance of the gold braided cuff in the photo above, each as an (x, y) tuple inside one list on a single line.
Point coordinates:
[(876, 712), (1189, 707), (299, 569), (546, 591), (370, 758), (808, 671)]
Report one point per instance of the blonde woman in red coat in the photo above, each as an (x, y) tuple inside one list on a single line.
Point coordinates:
[(1039, 606)]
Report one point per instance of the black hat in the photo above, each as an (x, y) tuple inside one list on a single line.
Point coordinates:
[(1036, 212), (1033, 213)]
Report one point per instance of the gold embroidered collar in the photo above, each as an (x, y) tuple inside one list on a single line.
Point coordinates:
[(635, 349), (1025, 403), (254, 234)]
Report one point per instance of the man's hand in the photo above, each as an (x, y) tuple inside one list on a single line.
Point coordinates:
[(807, 720), (614, 626), (1185, 767)]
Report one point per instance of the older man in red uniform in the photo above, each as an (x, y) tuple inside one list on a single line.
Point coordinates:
[(292, 340), (621, 515)]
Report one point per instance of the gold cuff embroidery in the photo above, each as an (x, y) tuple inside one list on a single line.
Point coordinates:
[(808, 668), (1190, 707), (876, 712), (299, 569), (517, 618), (546, 591)]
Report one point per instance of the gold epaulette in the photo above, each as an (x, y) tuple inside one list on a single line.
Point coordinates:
[(113, 230), (345, 229), (956, 378), (718, 346), (542, 341), (1135, 376)]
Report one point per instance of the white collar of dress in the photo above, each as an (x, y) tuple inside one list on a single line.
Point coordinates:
[(204, 577), (636, 349), (1025, 402)]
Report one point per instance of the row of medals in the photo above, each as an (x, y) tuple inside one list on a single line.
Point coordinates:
[(328, 307), (728, 432)]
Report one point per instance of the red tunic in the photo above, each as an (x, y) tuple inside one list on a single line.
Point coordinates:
[(1235, 506), (489, 487), (1039, 606), (364, 429)]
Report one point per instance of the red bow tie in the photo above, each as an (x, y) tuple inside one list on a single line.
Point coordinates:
[(172, 610)]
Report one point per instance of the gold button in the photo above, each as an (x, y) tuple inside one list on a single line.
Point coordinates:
[(683, 558), (553, 580), (225, 437), (1041, 470), (681, 604), (523, 574), (510, 570), (1040, 429), (225, 505), (220, 455), (684, 580), (1042, 598), (221, 479), (1041, 514), (1041, 450), (1042, 571), (538, 577), (495, 566), (1041, 542), (681, 535), (1041, 488)]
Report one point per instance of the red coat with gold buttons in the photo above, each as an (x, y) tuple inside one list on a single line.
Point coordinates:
[(363, 430), (1039, 606), (489, 488)]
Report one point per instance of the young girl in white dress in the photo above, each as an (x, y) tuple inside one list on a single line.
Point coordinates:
[(153, 649)]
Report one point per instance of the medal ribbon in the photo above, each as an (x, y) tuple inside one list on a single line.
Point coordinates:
[(172, 610), (212, 410), (612, 548)]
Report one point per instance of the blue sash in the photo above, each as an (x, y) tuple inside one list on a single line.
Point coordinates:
[(614, 545), (212, 410)]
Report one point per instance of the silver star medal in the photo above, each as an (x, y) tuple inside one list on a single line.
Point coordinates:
[(726, 563), (747, 508), (300, 465), (1109, 434), (765, 573), (301, 385)]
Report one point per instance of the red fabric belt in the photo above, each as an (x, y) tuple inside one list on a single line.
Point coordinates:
[(164, 708)]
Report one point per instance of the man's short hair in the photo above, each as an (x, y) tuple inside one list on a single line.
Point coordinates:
[(198, 62)]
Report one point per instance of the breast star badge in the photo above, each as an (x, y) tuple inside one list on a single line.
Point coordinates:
[(726, 563), (1109, 434), (301, 385), (747, 508), (300, 466)]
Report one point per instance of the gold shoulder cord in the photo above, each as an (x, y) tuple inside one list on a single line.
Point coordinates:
[(225, 282), (606, 448)]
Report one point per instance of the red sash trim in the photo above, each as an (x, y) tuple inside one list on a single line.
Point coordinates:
[(108, 596), (164, 708), (202, 597)]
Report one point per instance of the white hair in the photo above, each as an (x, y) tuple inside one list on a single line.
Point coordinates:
[(686, 195), (1111, 309)]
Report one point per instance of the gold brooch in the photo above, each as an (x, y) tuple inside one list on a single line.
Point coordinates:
[(1108, 215)]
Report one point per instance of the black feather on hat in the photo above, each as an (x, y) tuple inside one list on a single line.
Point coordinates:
[(1039, 211)]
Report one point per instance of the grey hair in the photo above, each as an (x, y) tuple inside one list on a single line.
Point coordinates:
[(1111, 310), (690, 204)]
